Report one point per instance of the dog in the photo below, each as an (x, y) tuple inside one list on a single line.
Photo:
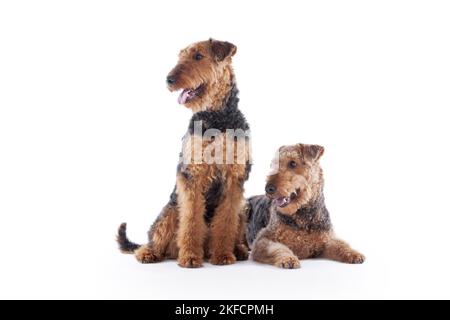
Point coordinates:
[(203, 218), (291, 222)]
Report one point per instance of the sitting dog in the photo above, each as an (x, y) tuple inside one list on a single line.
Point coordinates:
[(292, 222), (202, 218)]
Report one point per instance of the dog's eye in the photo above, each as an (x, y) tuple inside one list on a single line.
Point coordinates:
[(292, 164), (198, 56)]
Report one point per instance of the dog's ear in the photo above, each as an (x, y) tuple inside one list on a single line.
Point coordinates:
[(312, 151), (222, 49)]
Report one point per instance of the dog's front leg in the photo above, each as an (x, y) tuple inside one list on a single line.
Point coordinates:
[(225, 224), (192, 227), (339, 250), (275, 253)]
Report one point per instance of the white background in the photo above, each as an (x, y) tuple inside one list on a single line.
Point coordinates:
[(89, 138)]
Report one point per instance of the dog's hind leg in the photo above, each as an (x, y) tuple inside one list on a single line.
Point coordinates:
[(339, 250), (161, 235), (275, 253)]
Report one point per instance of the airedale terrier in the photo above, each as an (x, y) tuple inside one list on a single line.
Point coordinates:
[(203, 217), (291, 221)]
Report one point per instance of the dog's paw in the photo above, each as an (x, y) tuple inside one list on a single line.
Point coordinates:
[(145, 254), (289, 262), (190, 261), (222, 259), (241, 252), (354, 257)]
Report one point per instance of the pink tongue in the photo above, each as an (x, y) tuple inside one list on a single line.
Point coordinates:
[(184, 95), (281, 201)]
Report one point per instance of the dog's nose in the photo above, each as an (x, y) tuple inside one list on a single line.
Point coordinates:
[(170, 79), (270, 188)]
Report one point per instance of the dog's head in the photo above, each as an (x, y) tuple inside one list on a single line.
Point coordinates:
[(296, 177), (202, 73)]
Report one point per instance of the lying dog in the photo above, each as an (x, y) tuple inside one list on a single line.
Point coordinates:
[(292, 222)]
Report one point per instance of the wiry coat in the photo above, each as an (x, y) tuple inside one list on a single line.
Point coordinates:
[(302, 229), (203, 218)]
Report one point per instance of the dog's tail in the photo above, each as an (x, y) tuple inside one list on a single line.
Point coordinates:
[(125, 245)]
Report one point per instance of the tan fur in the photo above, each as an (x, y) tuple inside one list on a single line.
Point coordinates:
[(339, 250), (164, 233), (192, 232), (224, 228), (215, 75), (162, 239), (182, 232), (241, 248), (306, 177), (146, 254), (282, 245), (276, 253)]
